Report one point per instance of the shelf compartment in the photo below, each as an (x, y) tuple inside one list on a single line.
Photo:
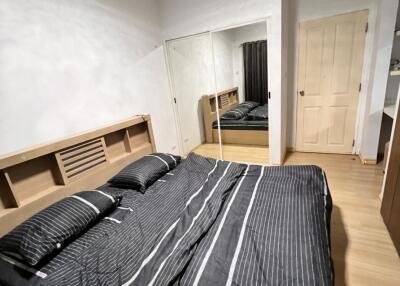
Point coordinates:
[(120, 157), (30, 178), (7, 197), (213, 104), (138, 135), (41, 194), (117, 144), (233, 98), (7, 211)]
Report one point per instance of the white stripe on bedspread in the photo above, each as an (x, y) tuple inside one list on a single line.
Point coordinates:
[(191, 225), (242, 231), (148, 258), (203, 264)]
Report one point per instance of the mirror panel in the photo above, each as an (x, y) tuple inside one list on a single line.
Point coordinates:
[(241, 75), (191, 71), (220, 87)]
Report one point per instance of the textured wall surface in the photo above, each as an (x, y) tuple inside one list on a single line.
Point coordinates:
[(69, 65), (192, 76)]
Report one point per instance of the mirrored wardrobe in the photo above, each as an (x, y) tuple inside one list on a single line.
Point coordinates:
[(219, 83)]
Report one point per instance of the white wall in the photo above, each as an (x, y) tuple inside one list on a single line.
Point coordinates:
[(223, 55), (187, 17), (385, 25), (192, 76), (69, 65), (394, 81), (375, 70)]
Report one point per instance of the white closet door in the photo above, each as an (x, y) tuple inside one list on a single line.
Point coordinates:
[(330, 63), (190, 61)]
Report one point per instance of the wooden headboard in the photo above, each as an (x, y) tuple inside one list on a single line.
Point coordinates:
[(227, 100), (35, 178)]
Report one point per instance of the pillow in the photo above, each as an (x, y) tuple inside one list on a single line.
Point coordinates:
[(144, 172), (259, 113), (250, 104), (236, 113), (56, 225)]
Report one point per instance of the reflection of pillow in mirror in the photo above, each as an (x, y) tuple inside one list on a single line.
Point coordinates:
[(250, 104), (259, 113), (237, 113)]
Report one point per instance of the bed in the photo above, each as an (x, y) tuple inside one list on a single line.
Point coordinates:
[(240, 131), (202, 222)]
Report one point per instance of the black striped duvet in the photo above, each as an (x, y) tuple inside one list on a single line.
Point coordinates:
[(206, 222)]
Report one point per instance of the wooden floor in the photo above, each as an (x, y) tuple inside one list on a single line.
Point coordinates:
[(362, 250), (236, 153)]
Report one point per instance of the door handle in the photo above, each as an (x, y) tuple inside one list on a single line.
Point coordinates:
[(302, 92)]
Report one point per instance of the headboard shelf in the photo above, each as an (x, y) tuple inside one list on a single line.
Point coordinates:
[(40, 150), (227, 100), (233, 90), (34, 178), (118, 144)]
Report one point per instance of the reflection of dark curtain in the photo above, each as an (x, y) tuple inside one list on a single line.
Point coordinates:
[(255, 71)]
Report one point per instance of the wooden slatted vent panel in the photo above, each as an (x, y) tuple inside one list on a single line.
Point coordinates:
[(224, 100), (82, 158)]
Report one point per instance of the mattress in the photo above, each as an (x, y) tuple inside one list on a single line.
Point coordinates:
[(206, 222), (242, 124), (273, 230)]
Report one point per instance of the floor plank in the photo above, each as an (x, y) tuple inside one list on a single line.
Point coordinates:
[(362, 250), (236, 153)]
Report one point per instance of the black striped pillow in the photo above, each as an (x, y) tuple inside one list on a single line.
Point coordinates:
[(259, 113), (141, 174), (235, 114), (250, 104), (57, 225)]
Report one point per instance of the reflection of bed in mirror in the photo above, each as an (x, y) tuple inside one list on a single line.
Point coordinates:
[(251, 128)]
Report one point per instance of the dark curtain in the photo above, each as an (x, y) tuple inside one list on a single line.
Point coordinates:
[(256, 71)]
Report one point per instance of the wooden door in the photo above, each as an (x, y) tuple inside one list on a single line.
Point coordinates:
[(391, 197), (331, 52)]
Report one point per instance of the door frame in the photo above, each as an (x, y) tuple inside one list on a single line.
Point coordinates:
[(396, 123), (365, 74), (388, 192)]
